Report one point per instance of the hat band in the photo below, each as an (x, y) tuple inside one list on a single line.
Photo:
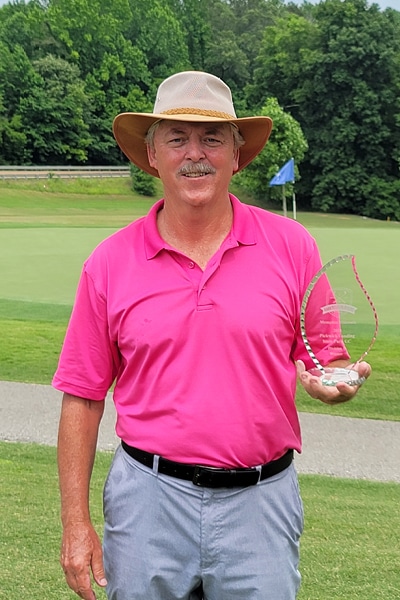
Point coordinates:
[(197, 111)]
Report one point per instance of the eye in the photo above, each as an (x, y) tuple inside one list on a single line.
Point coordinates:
[(212, 141), (176, 141)]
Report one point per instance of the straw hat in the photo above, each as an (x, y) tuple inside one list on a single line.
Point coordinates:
[(191, 96)]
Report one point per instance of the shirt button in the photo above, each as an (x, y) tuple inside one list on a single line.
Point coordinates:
[(191, 265)]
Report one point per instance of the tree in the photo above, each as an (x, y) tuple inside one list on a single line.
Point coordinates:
[(52, 114), (156, 31), (193, 18), (358, 114), (17, 78), (114, 86), (286, 141), (12, 138), (251, 19), (87, 29), (339, 74), (226, 60), (143, 183)]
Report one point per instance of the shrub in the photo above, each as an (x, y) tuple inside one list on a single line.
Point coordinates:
[(142, 183)]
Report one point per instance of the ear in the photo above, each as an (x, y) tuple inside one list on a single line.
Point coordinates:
[(235, 166), (151, 155)]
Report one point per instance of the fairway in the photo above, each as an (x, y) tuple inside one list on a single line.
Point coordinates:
[(46, 233), (349, 550)]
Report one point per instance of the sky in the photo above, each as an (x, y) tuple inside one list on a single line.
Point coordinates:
[(382, 3), (388, 4)]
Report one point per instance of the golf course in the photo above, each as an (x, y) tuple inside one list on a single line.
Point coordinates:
[(49, 227), (350, 547)]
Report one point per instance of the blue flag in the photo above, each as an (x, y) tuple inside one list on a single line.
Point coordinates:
[(285, 175)]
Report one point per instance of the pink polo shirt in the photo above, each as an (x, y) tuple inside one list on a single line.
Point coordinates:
[(203, 361)]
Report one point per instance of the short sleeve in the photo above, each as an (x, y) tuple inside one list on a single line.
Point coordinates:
[(89, 359)]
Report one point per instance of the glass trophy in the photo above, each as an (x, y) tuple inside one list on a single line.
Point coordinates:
[(338, 321)]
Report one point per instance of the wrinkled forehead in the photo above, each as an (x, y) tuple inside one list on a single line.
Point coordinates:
[(202, 128)]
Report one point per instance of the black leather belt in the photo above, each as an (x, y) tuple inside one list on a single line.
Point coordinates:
[(210, 476)]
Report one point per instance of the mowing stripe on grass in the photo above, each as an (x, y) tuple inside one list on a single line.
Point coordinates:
[(44, 264)]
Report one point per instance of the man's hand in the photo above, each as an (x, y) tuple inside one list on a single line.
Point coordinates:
[(81, 555), (337, 394)]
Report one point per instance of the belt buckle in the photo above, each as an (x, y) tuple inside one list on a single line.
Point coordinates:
[(205, 476)]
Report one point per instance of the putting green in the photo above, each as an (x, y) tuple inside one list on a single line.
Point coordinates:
[(376, 252), (43, 264)]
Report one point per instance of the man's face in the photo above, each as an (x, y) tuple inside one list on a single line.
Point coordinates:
[(195, 161)]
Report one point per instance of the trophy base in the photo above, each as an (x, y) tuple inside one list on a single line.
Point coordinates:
[(331, 376)]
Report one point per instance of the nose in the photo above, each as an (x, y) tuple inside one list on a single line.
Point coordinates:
[(194, 149)]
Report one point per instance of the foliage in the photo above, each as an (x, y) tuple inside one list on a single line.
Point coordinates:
[(197, 30), (67, 68), (339, 73), (17, 79), (142, 183), (286, 141), (52, 114)]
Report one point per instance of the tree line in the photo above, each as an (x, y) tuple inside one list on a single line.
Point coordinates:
[(327, 73)]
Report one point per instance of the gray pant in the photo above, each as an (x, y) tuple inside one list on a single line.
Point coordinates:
[(166, 539)]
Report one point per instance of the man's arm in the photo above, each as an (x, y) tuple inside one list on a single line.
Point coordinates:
[(81, 551)]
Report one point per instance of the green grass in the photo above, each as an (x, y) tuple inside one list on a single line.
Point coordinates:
[(379, 396), (349, 549), (32, 350), (48, 228), (376, 249), (350, 545), (92, 186), (29, 522), (43, 265), (70, 203)]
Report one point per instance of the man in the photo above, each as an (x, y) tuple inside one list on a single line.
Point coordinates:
[(194, 312)]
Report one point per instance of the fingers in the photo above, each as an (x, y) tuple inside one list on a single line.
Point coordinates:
[(337, 394), (300, 366), (331, 395), (98, 569), (364, 369), (78, 579), (81, 555)]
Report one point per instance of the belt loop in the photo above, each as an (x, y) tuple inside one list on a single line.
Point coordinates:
[(155, 463)]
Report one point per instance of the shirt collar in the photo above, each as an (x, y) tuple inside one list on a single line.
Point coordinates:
[(243, 230)]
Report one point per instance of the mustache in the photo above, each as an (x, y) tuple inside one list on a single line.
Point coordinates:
[(196, 169)]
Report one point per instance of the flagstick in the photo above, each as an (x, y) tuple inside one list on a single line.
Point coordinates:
[(294, 207), (284, 201), (285, 174)]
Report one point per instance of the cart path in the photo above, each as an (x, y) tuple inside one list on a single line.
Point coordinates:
[(336, 446)]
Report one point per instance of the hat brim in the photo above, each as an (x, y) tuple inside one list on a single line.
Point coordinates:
[(130, 130)]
